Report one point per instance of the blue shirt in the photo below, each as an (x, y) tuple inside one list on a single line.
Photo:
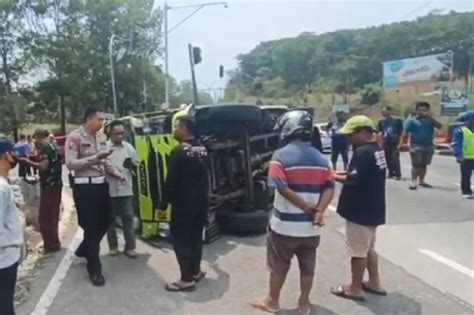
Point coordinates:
[(421, 131), (337, 140)]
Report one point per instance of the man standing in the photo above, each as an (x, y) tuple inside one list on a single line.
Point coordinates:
[(124, 159), (362, 205), (391, 128), (463, 143), (86, 155), (187, 190), (304, 187), (50, 174), (11, 234), (420, 128), (338, 142)]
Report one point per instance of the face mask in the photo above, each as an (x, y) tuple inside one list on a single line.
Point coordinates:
[(12, 160)]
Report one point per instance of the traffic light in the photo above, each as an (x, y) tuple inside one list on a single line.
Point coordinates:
[(197, 55), (221, 71)]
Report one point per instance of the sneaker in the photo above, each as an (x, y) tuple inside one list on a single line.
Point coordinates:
[(114, 252), (131, 254), (468, 196), (413, 186)]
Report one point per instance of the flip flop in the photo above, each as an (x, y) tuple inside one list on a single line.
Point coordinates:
[(368, 289), (175, 287), (339, 292), (425, 185), (199, 277), (304, 312), (262, 306)]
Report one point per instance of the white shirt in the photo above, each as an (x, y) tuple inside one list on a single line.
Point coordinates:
[(120, 153), (11, 234)]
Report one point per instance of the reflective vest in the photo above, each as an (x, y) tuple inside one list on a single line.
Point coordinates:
[(468, 143)]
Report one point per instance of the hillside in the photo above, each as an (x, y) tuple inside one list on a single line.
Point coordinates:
[(314, 69)]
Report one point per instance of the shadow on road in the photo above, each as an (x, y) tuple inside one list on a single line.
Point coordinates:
[(393, 301)]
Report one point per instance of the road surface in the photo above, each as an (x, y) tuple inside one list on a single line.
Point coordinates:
[(427, 266)]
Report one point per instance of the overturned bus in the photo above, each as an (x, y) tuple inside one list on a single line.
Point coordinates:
[(240, 141)]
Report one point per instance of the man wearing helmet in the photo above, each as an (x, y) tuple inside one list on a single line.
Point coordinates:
[(304, 187)]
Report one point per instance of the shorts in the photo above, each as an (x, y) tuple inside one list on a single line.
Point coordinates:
[(421, 156), (359, 239), (282, 248)]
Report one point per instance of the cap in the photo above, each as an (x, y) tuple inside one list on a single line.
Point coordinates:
[(355, 123), (6, 145)]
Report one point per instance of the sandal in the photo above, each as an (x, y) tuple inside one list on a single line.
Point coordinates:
[(262, 305), (177, 287), (425, 185), (366, 287), (199, 277), (339, 292)]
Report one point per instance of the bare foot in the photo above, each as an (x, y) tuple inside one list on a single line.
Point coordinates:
[(304, 307), (266, 304)]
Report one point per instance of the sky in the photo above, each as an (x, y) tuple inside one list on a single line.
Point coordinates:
[(223, 33)]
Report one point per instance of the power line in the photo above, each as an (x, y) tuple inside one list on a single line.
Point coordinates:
[(415, 10)]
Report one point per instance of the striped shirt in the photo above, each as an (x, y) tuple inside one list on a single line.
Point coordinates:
[(307, 172)]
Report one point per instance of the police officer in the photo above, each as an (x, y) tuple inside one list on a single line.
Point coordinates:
[(86, 156)]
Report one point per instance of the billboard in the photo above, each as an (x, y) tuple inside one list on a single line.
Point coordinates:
[(427, 68), (454, 101)]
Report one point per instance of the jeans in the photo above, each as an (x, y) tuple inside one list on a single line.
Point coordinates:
[(393, 159), (94, 213), (49, 209), (123, 208), (188, 249), (7, 289), (466, 172)]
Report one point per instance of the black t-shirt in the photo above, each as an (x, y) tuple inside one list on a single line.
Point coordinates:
[(362, 199), (186, 186), (391, 129)]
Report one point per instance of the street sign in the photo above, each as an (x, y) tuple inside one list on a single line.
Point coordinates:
[(454, 101)]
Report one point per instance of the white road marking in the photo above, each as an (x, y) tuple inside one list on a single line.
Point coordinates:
[(448, 262), (54, 284)]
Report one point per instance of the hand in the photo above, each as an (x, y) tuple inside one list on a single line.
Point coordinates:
[(104, 154), (319, 218), (22, 160)]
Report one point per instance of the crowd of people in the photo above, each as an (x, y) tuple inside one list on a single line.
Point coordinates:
[(101, 178)]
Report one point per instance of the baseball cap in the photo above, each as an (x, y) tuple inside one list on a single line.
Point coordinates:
[(6, 145), (356, 123)]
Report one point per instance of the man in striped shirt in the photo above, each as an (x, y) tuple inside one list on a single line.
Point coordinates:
[(304, 185)]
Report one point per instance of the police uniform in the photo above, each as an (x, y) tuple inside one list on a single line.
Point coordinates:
[(90, 192)]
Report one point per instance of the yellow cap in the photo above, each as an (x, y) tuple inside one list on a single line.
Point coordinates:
[(356, 123)]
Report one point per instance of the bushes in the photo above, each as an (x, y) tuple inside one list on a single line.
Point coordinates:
[(371, 94)]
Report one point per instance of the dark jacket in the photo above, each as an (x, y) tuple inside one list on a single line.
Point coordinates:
[(186, 186)]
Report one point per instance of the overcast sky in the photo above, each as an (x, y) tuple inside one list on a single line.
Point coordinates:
[(223, 33)]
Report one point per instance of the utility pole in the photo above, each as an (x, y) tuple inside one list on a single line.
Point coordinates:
[(112, 74), (193, 74), (167, 79), (166, 32)]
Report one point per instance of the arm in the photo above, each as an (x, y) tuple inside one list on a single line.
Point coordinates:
[(73, 162), (328, 192), (5, 195), (436, 123), (405, 132), (42, 166), (458, 143), (295, 199), (171, 179)]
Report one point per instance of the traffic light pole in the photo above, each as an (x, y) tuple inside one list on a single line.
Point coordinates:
[(193, 74)]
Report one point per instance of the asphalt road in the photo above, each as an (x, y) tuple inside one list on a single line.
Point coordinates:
[(427, 266)]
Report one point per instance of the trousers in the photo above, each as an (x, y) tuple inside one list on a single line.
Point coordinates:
[(49, 210), (7, 289), (94, 212), (122, 207), (187, 246), (466, 172), (393, 159)]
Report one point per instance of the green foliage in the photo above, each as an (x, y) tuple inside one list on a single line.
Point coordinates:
[(371, 94), (345, 61)]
